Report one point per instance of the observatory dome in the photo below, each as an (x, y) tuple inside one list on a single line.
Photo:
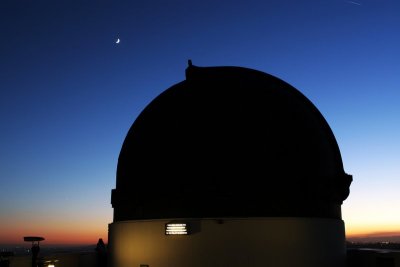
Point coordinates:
[(229, 142)]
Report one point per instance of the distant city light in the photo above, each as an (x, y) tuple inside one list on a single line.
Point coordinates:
[(50, 265), (176, 229)]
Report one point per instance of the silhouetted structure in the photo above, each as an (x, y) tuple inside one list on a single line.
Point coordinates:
[(230, 143), (101, 253), (35, 248)]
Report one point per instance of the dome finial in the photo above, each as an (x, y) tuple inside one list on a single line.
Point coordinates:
[(190, 63)]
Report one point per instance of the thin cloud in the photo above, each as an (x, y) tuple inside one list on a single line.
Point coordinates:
[(354, 3)]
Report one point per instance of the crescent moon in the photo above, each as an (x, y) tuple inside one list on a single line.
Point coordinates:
[(118, 41)]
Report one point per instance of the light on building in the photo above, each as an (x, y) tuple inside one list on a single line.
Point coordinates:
[(176, 229), (50, 263)]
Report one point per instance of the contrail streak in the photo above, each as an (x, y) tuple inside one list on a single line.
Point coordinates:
[(354, 3)]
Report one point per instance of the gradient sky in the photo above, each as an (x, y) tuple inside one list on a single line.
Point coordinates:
[(69, 94)]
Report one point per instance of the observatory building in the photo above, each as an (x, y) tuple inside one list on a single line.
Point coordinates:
[(230, 167)]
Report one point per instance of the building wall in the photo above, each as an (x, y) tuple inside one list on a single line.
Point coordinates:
[(278, 242)]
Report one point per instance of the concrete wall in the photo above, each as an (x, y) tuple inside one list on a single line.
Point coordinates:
[(278, 242)]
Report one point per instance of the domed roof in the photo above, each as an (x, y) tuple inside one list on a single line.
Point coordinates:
[(229, 142)]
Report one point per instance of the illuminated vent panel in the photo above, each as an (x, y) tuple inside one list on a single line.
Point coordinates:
[(177, 228)]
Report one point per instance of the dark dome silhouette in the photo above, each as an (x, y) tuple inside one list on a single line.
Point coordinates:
[(229, 142)]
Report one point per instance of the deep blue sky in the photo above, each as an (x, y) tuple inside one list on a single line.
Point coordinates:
[(69, 93)]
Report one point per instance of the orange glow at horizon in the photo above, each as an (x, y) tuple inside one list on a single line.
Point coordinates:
[(370, 231), (367, 215), (56, 232), (84, 236)]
